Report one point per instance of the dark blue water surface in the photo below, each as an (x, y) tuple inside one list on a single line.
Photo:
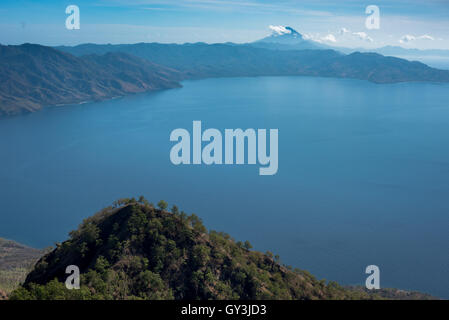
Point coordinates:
[(363, 171)]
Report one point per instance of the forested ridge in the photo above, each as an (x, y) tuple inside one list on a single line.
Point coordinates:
[(133, 250)]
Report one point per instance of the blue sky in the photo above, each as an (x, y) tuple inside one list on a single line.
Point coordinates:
[(411, 23)]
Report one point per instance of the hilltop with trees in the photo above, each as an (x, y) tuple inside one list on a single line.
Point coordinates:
[(133, 250)]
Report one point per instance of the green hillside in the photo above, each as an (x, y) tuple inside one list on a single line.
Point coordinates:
[(134, 251)]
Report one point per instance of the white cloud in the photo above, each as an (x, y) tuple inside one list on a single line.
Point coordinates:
[(330, 37), (343, 31), (426, 37), (313, 37), (363, 36), (409, 38), (280, 30)]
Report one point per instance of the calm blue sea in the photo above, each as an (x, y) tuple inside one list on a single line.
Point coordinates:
[(363, 171)]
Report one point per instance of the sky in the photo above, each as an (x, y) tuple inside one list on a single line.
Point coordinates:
[(406, 23)]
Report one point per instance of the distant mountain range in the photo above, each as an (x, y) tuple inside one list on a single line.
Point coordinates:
[(33, 76), (399, 51), (200, 60)]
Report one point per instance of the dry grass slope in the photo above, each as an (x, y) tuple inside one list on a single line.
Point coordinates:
[(16, 260)]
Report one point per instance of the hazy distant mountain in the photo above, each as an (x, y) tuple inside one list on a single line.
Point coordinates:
[(287, 38), (399, 51), (33, 76)]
